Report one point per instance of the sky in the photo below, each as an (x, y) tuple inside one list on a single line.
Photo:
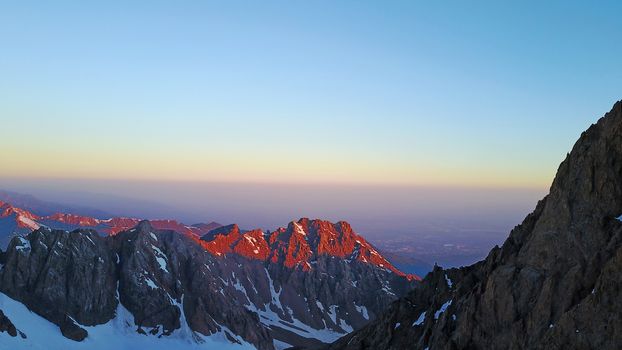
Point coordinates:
[(478, 93), (423, 113)]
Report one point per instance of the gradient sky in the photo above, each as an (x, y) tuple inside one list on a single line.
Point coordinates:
[(466, 93)]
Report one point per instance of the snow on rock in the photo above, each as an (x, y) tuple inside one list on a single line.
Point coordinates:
[(150, 283), (345, 326), (162, 263), (118, 333), (160, 258), (362, 310), (420, 320), (449, 282), (281, 345), (442, 309), (89, 238), (276, 297), (24, 244), (270, 318), (299, 229), (319, 305), (332, 313)]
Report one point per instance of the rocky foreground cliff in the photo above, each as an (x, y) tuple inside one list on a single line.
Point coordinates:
[(554, 284), (305, 284)]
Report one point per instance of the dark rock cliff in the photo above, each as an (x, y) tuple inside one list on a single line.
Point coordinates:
[(554, 284)]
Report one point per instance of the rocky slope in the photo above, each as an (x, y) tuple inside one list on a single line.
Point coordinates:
[(554, 284), (309, 283)]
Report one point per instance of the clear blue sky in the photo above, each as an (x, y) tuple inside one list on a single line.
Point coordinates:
[(473, 93)]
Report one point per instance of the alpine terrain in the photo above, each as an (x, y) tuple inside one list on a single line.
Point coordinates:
[(76, 282)]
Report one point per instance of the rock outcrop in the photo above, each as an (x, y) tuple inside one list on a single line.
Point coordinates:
[(7, 326), (554, 284)]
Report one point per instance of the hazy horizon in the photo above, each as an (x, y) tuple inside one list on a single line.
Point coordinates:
[(269, 205), (450, 225)]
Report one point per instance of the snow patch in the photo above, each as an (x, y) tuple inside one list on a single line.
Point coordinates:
[(150, 283), (276, 297), (319, 305), (442, 309), (162, 263), (160, 258), (24, 244), (362, 310), (420, 320), (387, 290), (332, 313), (345, 326), (299, 229), (281, 345), (449, 282), (89, 238)]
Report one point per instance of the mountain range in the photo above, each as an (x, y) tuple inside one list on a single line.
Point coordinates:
[(305, 284)]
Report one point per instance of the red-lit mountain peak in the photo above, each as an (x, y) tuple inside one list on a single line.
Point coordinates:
[(305, 239), (71, 219), (230, 239), (23, 218)]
